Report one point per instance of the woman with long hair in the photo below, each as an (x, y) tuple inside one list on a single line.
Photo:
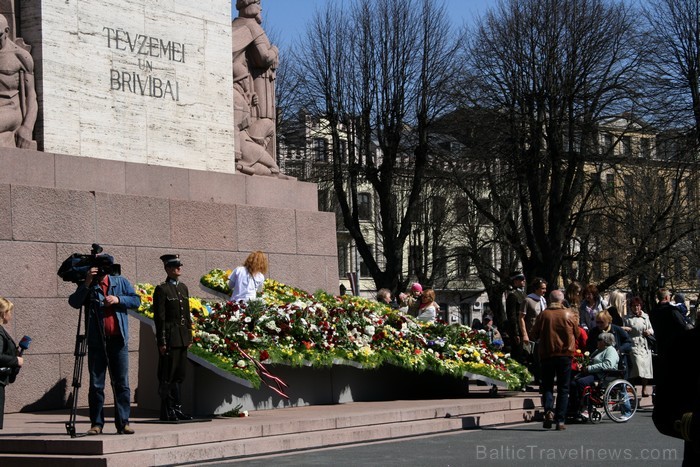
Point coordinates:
[(427, 310), (572, 295), (591, 305), (247, 280), (618, 307)]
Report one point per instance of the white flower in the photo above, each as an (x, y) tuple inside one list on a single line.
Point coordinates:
[(369, 330), (247, 319), (241, 364)]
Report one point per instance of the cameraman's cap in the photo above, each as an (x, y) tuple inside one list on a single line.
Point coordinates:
[(171, 260), (517, 275)]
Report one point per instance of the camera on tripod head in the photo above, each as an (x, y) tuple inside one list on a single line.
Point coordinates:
[(75, 267)]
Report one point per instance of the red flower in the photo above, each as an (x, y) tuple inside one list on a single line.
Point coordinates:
[(264, 355), (417, 351)]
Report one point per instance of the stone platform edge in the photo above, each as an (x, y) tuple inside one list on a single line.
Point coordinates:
[(48, 170)]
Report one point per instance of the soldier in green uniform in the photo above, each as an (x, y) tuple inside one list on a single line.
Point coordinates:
[(515, 301), (171, 313)]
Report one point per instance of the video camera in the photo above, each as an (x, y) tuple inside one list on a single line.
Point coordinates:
[(75, 267)]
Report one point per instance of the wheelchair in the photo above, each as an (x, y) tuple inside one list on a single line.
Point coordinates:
[(613, 396)]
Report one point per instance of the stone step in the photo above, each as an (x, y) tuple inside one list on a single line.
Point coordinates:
[(264, 432)]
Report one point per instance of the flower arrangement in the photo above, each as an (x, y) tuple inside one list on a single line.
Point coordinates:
[(581, 360), (145, 293), (217, 280), (290, 326), (235, 412)]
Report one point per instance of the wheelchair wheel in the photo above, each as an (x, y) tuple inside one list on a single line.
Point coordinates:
[(595, 416), (620, 401)]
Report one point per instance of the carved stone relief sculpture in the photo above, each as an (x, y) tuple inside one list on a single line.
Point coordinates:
[(255, 60), (18, 104)]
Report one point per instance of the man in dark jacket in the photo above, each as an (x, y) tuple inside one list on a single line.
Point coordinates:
[(676, 402), (556, 330), (171, 313)]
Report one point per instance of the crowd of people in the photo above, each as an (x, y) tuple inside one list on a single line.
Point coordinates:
[(581, 335), (606, 332)]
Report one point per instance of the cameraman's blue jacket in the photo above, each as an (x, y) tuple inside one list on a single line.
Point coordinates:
[(119, 287)]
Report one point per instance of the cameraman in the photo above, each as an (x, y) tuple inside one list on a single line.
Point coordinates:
[(106, 298)]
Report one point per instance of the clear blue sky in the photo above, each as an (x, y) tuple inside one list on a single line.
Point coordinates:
[(285, 20)]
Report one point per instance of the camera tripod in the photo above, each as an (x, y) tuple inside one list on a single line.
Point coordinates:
[(81, 347), (79, 353)]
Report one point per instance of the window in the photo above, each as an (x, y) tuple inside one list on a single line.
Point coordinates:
[(607, 143), (626, 146), (343, 149), (416, 214), (320, 150), (364, 206), (364, 270), (610, 183), (629, 186), (485, 204), (325, 200), (461, 205), (462, 263), (415, 259), (486, 255), (465, 314), (645, 148), (438, 205), (440, 263)]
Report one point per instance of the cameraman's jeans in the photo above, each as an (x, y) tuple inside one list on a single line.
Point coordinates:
[(118, 356)]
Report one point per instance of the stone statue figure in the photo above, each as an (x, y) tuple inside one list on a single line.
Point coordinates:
[(255, 60), (18, 106)]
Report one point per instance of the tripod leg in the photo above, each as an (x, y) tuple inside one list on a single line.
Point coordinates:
[(79, 353)]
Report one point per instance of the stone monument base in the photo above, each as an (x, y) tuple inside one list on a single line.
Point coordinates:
[(210, 391), (53, 205)]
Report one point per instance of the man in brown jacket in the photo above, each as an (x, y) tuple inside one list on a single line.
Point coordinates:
[(556, 330)]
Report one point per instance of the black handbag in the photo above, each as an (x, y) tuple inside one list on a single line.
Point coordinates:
[(651, 343)]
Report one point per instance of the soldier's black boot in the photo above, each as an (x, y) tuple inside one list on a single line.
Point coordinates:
[(177, 410), (167, 413)]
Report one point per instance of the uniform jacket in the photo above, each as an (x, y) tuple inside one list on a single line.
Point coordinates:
[(514, 303), (120, 288), (8, 356), (171, 313)]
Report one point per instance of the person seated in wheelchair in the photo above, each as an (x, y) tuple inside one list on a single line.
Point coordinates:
[(603, 361), (623, 342)]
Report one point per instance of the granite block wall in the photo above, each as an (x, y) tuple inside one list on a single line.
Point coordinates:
[(53, 205)]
